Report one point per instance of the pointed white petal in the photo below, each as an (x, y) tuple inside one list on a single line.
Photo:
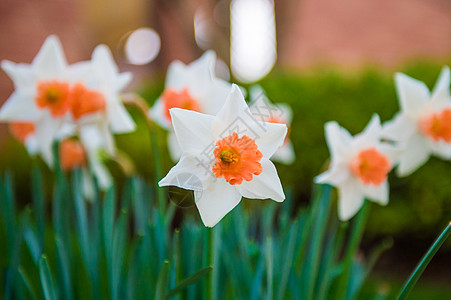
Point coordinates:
[(271, 138), (412, 94), (399, 129), (350, 199), (176, 76), (338, 140), (193, 130), (189, 173), (337, 174), (415, 155), (46, 129), (370, 135), (285, 154), (119, 119), (263, 186), (377, 194), (158, 115), (100, 171), (50, 62), (103, 59), (440, 149), (21, 74), (19, 107), (441, 89), (174, 148), (87, 185), (216, 201)]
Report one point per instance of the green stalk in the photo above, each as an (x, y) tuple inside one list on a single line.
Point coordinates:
[(424, 263), (351, 250)]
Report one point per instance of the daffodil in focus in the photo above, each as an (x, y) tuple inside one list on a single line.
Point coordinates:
[(194, 87), (359, 166), (225, 157), (41, 94), (264, 111), (423, 126)]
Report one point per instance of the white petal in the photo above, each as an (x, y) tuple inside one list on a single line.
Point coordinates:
[(189, 173), (87, 185), (158, 115), (50, 62), (174, 148), (100, 171), (19, 107), (285, 154), (440, 149), (338, 140), (337, 174), (175, 77), (216, 201), (46, 129), (21, 74), (119, 119), (350, 199), (412, 94), (263, 186), (415, 155), (102, 57), (399, 129), (370, 135), (441, 89), (31, 143), (377, 194), (193, 130)]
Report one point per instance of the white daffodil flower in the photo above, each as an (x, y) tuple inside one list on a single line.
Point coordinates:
[(264, 111), (225, 157), (423, 126), (41, 94), (193, 87), (359, 166)]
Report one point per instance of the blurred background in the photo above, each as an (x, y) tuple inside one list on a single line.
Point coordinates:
[(329, 60)]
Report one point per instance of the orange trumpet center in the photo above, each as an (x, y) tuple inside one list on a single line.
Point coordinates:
[(72, 155), (237, 159), (371, 166), (84, 101), (21, 130), (437, 126), (182, 99), (53, 95)]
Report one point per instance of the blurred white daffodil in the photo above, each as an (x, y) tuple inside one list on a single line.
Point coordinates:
[(194, 87), (264, 111), (359, 166), (423, 126), (225, 157), (41, 94)]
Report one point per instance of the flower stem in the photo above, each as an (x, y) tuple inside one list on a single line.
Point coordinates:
[(353, 245), (424, 262)]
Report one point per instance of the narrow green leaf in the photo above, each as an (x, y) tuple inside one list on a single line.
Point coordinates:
[(46, 279), (269, 268), (317, 237), (353, 245), (64, 268), (33, 245), (287, 261), (27, 283), (424, 263), (162, 282), (188, 281), (118, 254), (108, 213), (38, 203)]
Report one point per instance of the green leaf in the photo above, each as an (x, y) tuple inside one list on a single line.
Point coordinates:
[(46, 279), (188, 281), (38, 203), (162, 281), (27, 283)]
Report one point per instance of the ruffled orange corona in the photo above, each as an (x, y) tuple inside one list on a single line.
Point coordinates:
[(237, 159), (180, 99), (84, 101), (21, 130), (53, 95), (437, 126), (371, 166), (72, 155)]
